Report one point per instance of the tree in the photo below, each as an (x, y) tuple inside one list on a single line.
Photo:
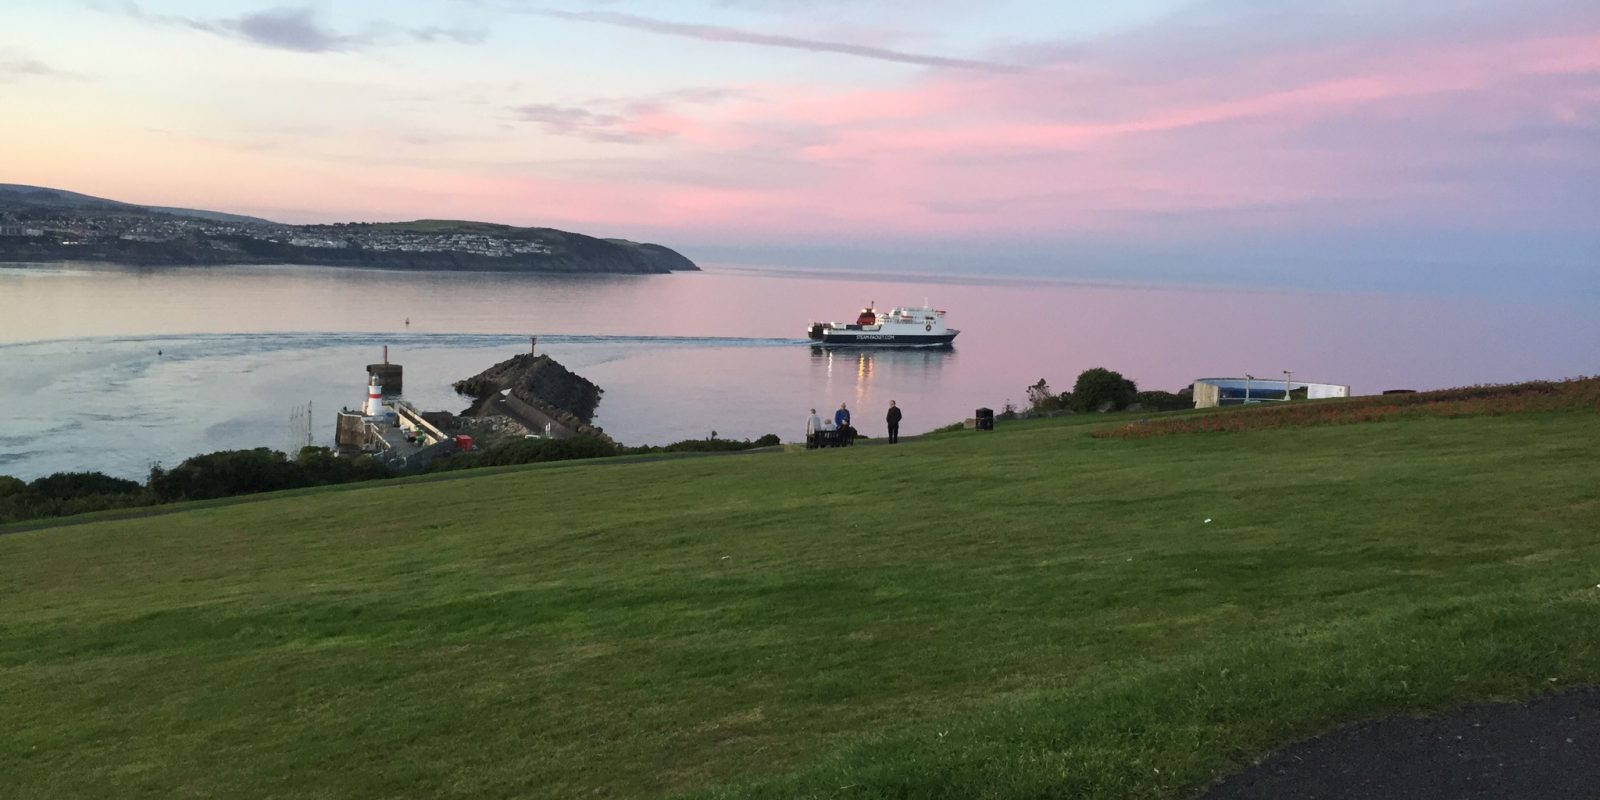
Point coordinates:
[(1040, 398), (1100, 386)]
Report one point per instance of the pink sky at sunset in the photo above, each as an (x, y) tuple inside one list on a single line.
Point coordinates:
[(837, 133)]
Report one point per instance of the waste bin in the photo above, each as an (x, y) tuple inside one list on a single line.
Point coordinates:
[(985, 417)]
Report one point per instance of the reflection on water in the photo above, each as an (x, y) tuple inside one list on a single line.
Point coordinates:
[(871, 377), (113, 368), (865, 361)]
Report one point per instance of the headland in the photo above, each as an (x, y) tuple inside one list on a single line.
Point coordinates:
[(50, 225)]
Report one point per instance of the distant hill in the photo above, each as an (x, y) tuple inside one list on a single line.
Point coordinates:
[(45, 197), (41, 224), (214, 216)]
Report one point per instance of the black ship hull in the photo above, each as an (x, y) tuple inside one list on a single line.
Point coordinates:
[(849, 338)]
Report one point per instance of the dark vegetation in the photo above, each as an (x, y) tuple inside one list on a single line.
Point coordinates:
[(230, 473), (225, 473), (528, 451), (66, 493), (234, 472), (1096, 390), (710, 444), (535, 451)]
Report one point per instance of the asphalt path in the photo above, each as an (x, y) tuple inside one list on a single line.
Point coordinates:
[(1543, 749)]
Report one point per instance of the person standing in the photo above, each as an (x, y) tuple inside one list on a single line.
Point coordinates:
[(813, 427), (841, 420), (894, 422)]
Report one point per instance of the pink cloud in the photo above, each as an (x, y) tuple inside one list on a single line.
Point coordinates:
[(1133, 144), (925, 158), (1002, 117)]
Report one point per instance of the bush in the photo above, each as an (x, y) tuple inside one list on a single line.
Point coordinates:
[(66, 493), (226, 473), (1163, 401), (711, 445), (1099, 386), (531, 451), (321, 466), (72, 485)]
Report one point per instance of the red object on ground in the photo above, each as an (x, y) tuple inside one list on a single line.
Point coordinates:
[(464, 442)]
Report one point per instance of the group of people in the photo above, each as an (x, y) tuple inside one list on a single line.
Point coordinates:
[(837, 432)]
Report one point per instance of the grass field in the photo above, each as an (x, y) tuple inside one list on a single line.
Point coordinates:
[(1029, 613)]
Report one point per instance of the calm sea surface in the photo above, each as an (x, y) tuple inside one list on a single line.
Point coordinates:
[(115, 369)]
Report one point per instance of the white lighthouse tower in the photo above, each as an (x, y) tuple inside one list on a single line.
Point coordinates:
[(374, 407)]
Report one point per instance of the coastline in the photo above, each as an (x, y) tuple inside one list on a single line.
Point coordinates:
[(508, 269)]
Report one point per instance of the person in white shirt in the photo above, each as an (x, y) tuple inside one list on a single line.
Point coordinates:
[(813, 426)]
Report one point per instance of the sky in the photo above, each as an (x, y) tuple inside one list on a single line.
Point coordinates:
[(1356, 145)]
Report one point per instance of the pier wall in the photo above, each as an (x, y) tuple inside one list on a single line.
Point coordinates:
[(356, 431)]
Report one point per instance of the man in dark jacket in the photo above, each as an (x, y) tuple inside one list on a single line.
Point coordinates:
[(841, 419), (894, 422)]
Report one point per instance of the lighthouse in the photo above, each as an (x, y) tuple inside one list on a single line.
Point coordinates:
[(374, 406)]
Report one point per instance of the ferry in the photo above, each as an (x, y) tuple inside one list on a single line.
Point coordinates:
[(902, 327)]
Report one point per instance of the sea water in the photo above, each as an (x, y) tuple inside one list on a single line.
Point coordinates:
[(117, 369)]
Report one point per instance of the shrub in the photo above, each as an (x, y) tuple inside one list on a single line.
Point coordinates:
[(66, 493), (711, 445), (1163, 401), (226, 473), (320, 466), (535, 451), (1099, 386), (71, 485)]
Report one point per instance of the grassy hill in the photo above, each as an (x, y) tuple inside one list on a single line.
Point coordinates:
[(15, 195), (1035, 612)]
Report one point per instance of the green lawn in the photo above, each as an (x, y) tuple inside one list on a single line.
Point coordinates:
[(1028, 613)]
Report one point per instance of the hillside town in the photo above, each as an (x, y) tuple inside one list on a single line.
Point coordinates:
[(84, 228)]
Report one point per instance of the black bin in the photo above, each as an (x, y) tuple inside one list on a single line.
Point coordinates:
[(985, 417)]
